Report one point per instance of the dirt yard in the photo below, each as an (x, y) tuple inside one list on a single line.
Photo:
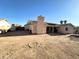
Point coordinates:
[(38, 47)]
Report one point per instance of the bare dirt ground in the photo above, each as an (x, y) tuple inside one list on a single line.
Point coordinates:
[(38, 47)]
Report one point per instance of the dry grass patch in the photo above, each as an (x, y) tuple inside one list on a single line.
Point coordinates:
[(38, 47)]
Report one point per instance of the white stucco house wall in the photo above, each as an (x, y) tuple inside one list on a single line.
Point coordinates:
[(66, 28)]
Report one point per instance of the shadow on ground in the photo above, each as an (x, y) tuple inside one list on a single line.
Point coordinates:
[(56, 34), (15, 33), (23, 33)]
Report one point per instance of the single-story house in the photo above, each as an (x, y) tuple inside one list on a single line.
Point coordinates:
[(42, 27)]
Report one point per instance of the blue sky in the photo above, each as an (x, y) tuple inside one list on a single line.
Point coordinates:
[(20, 11)]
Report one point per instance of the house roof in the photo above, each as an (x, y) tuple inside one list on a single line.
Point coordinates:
[(30, 22), (67, 24), (34, 21), (52, 24)]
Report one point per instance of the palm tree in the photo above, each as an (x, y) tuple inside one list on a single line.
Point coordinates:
[(65, 21), (61, 22)]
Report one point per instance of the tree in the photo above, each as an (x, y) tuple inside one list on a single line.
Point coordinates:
[(65, 21), (61, 22)]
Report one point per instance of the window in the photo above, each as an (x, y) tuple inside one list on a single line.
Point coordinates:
[(66, 29)]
